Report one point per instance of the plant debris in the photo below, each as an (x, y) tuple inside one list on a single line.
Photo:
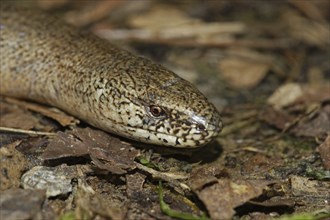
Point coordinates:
[(106, 152), (265, 67), (11, 172), (324, 150), (221, 195), (55, 180), (53, 113), (21, 204)]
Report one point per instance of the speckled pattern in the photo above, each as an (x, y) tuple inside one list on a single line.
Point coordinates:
[(48, 61)]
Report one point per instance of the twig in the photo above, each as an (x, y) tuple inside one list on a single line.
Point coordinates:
[(309, 9), (21, 131), (169, 177), (146, 36)]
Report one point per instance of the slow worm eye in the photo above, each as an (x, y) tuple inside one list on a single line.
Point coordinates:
[(200, 127), (156, 111)]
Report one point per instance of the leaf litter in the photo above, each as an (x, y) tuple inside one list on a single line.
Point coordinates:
[(264, 65), (106, 152)]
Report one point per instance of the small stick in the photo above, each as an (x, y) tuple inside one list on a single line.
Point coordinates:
[(169, 177), (21, 131)]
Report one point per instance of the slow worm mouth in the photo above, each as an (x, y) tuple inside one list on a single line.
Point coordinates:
[(166, 139)]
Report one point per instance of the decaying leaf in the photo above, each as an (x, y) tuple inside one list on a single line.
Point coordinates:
[(245, 69), (50, 4), (315, 93), (14, 117), (278, 118), (12, 166), (260, 44), (294, 93), (324, 150), (21, 204), (313, 125), (107, 152), (302, 186), (168, 24), (134, 183), (98, 204), (53, 113), (301, 108), (275, 201), (223, 196), (309, 31), (93, 13), (161, 17), (64, 145), (203, 176), (220, 194), (318, 125), (285, 95)]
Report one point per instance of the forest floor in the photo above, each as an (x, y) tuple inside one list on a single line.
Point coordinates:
[(263, 64)]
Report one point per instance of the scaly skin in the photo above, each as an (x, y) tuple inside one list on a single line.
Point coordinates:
[(45, 60)]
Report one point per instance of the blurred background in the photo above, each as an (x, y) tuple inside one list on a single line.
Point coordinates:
[(234, 51)]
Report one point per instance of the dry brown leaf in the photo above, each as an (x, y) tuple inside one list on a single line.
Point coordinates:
[(293, 93), (324, 150), (220, 194), (315, 93), (64, 145), (134, 184), (204, 175), (306, 30), (21, 204), (99, 204), (160, 17), (51, 4), (19, 119), (310, 8), (318, 125), (12, 165), (92, 13), (223, 196), (313, 120), (107, 152), (196, 39), (315, 124), (260, 164), (165, 23), (285, 95), (244, 69), (302, 186), (14, 117), (56, 114), (278, 118), (275, 201)]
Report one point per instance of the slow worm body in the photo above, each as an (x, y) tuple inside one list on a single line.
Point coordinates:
[(48, 61)]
